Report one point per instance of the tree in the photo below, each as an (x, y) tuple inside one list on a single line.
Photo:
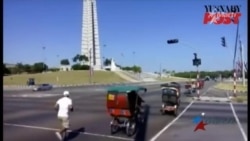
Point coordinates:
[(83, 58), (76, 58), (80, 58), (80, 67), (136, 69), (65, 62), (107, 62), (19, 67), (6, 71), (27, 68), (39, 67)]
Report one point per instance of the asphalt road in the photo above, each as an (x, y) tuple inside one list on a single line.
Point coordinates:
[(29, 118)]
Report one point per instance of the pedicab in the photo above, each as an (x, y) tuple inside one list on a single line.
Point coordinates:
[(172, 84), (124, 106), (192, 86), (170, 100)]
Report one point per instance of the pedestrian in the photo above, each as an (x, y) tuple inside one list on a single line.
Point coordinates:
[(63, 106)]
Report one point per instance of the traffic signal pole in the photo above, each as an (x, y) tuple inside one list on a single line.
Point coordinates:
[(223, 43), (197, 82), (234, 86)]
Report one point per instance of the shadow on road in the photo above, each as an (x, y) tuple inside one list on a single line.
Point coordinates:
[(73, 134)]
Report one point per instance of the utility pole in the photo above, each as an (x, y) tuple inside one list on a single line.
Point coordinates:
[(197, 63), (160, 72), (242, 63)]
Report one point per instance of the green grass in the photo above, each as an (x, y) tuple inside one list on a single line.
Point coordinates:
[(60, 78), (240, 98), (229, 86)]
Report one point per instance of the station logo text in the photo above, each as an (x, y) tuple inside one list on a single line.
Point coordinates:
[(222, 14)]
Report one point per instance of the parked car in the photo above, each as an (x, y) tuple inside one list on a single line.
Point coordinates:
[(43, 87)]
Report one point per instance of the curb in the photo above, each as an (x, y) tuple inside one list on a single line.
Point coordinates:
[(212, 100), (23, 87)]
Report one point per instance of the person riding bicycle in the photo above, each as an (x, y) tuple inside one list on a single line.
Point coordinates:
[(63, 106)]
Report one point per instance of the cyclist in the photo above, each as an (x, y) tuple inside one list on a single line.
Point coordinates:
[(63, 106)]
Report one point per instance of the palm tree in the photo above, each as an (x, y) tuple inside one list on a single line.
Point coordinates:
[(76, 58)]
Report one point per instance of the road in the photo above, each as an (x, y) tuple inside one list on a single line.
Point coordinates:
[(29, 118)]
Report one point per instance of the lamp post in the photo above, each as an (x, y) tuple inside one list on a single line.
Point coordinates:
[(90, 66), (134, 57), (104, 46)]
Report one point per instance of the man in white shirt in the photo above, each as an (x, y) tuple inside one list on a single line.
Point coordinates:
[(63, 105)]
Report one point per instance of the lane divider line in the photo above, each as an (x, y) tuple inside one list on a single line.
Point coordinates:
[(154, 138), (238, 122), (53, 129), (171, 123)]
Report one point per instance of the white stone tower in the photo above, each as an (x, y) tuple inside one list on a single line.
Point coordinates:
[(90, 36)]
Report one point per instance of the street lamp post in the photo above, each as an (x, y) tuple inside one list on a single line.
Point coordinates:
[(90, 66), (57, 56), (104, 46), (134, 58)]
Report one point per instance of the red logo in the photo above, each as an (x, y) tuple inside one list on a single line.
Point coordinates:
[(222, 14)]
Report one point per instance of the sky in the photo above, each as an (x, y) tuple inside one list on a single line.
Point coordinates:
[(125, 26)]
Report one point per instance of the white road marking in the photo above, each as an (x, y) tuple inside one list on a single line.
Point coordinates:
[(171, 123), (207, 91), (35, 95), (53, 129), (238, 122), (174, 120)]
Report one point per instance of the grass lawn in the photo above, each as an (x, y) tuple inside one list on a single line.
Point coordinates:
[(59, 78), (240, 98), (176, 79), (229, 86)]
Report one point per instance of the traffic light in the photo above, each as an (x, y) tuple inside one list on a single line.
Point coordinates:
[(196, 61), (173, 41), (223, 41)]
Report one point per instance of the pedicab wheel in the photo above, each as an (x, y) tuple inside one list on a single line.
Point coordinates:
[(64, 136), (162, 112), (130, 128), (114, 127), (175, 112)]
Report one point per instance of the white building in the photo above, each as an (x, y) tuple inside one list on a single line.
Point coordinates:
[(65, 68)]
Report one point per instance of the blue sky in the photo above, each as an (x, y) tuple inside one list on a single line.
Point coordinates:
[(125, 26)]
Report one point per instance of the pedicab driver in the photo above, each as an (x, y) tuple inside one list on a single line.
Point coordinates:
[(63, 106)]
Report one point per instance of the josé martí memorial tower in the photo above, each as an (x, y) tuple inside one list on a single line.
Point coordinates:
[(90, 36)]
